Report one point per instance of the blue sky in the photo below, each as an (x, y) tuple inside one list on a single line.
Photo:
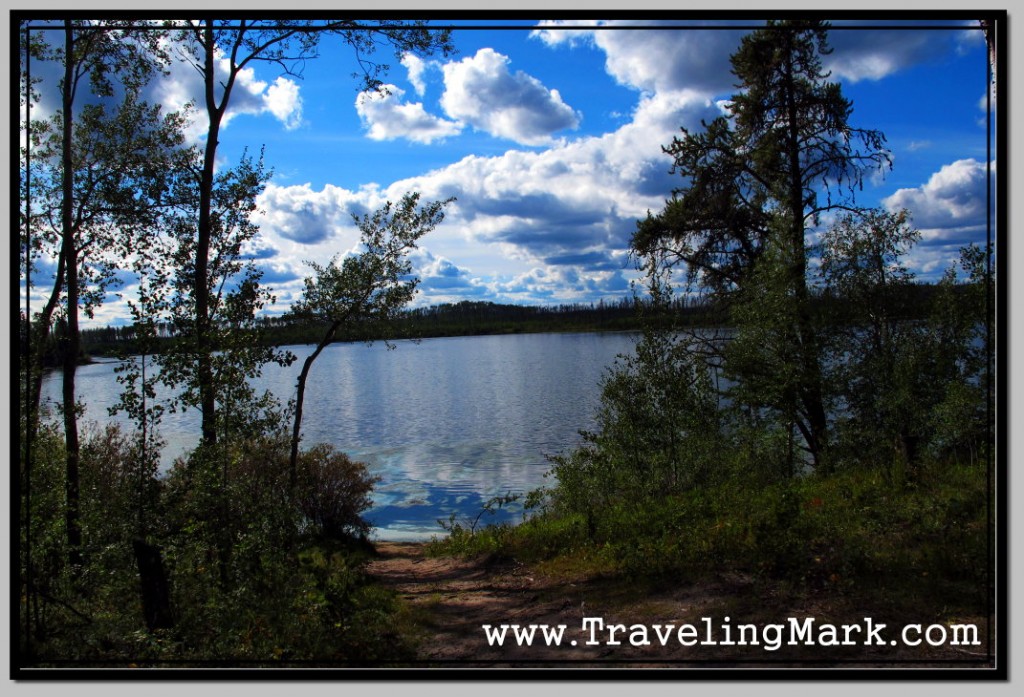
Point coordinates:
[(550, 139)]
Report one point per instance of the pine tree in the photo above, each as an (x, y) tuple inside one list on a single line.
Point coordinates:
[(757, 180)]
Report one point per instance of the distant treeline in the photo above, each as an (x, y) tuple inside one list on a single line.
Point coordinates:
[(473, 318), (466, 318)]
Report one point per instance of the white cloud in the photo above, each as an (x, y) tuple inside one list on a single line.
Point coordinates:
[(441, 280), (554, 224), (283, 101), (415, 67), (659, 57), (300, 215), (659, 60), (570, 209), (574, 204), (952, 198), (250, 95), (552, 33), (864, 66), (482, 92), (561, 284), (665, 56), (949, 211), (387, 118), (872, 55)]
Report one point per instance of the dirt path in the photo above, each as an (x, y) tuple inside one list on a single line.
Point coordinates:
[(454, 598), (451, 599)]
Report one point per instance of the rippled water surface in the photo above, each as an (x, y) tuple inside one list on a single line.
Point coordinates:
[(446, 423)]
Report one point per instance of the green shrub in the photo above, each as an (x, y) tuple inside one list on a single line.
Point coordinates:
[(334, 492), (857, 531), (244, 584)]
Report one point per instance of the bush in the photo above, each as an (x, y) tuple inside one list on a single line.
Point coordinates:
[(659, 430), (333, 492)]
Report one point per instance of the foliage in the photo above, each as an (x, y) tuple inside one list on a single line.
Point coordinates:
[(863, 534), (465, 526), (94, 166), (883, 521), (229, 351), (369, 287), (764, 369), (658, 428), (756, 180), (465, 318), (115, 190), (223, 202), (265, 602), (375, 284), (899, 379), (333, 493), (262, 547)]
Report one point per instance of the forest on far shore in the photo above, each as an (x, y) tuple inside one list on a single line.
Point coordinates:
[(477, 318)]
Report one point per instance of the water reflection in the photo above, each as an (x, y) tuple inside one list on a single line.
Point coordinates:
[(446, 423)]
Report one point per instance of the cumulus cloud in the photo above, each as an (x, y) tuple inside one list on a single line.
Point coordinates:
[(557, 32), (441, 280), (259, 249), (575, 198), (299, 214), (559, 284), (950, 212), (570, 210), (386, 117), (659, 60), (482, 92), (662, 56), (278, 273), (666, 56), (872, 55), (952, 198), (598, 260), (415, 67), (283, 101), (250, 95), (862, 55)]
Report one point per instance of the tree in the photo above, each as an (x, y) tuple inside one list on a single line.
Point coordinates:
[(989, 27), (232, 349), (372, 286), (879, 370), (93, 165), (220, 50), (909, 374), (209, 290), (659, 430), (757, 179)]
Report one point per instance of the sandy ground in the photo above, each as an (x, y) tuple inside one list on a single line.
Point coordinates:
[(451, 599)]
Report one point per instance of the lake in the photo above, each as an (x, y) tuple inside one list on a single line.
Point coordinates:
[(446, 423)]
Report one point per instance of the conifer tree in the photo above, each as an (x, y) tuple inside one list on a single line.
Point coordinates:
[(756, 181)]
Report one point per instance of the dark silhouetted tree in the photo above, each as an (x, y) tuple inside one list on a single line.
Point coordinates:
[(756, 181)]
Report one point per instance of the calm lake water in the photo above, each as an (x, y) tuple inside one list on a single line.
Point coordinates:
[(447, 423)]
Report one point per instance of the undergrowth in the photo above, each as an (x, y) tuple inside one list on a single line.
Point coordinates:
[(856, 533)]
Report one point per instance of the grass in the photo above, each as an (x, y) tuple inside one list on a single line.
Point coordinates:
[(859, 538)]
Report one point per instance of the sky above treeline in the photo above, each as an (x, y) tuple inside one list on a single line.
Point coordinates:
[(549, 134)]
